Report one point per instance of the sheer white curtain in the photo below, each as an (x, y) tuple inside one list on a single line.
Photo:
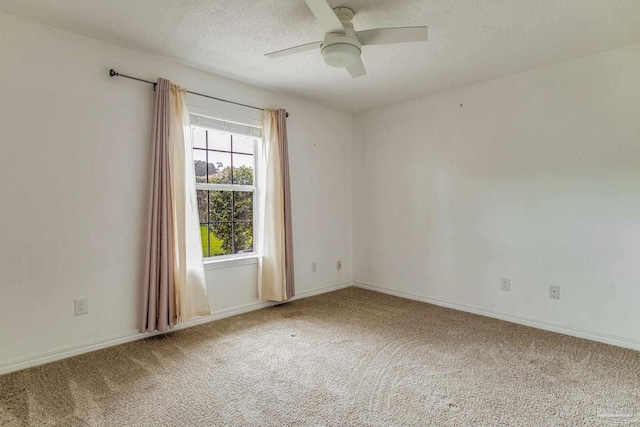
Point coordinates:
[(190, 286), (275, 275), (174, 287)]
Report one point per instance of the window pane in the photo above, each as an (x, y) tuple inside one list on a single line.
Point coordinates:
[(220, 238), (219, 141), (243, 234), (242, 144), (202, 206), (200, 165), (204, 235), (219, 206), (243, 206), (219, 167), (242, 169), (199, 137)]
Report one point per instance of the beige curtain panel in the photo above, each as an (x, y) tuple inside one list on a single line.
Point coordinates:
[(275, 275), (174, 288), (158, 307)]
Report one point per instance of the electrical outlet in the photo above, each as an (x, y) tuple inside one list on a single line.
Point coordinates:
[(339, 265), (314, 267), (505, 284), (82, 306), (554, 292)]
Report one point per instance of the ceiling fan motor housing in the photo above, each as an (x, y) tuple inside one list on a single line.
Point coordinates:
[(341, 50)]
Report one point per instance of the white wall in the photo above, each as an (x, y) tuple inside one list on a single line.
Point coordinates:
[(74, 151), (534, 177)]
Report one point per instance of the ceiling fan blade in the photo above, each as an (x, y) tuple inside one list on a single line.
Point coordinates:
[(326, 16), (357, 70), (292, 50), (392, 35)]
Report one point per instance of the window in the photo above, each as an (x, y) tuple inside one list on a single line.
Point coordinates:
[(224, 165)]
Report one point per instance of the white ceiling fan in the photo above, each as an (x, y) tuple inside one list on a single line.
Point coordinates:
[(342, 45)]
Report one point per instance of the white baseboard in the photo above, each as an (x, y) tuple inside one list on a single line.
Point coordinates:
[(134, 335), (322, 290), (534, 323)]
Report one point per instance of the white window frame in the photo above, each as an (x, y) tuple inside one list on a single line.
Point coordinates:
[(222, 261)]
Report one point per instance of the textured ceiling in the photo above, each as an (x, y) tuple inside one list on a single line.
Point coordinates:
[(469, 41)]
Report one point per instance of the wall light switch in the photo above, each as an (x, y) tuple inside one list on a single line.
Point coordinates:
[(82, 306)]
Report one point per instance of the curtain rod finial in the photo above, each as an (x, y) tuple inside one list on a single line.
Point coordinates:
[(112, 72), (286, 114)]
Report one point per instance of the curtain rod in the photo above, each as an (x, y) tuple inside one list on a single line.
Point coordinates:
[(114, 73)]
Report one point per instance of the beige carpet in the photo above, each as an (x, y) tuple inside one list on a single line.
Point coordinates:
[(351, 357)]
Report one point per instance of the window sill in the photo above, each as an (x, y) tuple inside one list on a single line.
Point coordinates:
[(232, 261)]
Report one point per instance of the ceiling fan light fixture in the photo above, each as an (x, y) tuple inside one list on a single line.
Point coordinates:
[(340, 55), (342, 45)]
